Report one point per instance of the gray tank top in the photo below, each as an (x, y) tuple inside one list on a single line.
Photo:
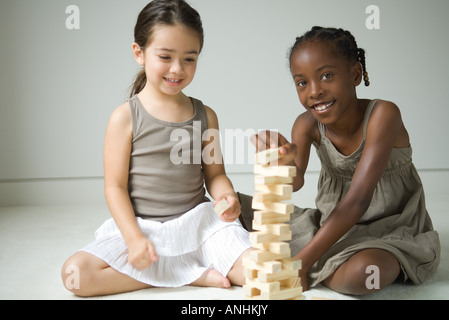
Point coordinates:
[(165, 174)]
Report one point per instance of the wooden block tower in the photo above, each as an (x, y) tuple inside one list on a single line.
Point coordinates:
[(270, 272)]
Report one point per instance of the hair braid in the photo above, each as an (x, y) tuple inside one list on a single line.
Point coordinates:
[(344, 42)]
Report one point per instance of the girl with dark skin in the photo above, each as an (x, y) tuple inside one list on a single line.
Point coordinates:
[(326, 67)]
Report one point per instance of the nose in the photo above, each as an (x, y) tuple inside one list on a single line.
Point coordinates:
[(177, 66), (315, 90)]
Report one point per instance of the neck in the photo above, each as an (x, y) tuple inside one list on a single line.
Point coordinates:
[(350, 121), (157, 98)]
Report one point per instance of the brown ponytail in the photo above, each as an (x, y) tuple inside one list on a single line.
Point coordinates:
[(139, 83)]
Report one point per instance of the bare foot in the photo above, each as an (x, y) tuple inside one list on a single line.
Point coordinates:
[(212, 278)]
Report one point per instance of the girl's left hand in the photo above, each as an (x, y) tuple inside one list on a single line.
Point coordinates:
[(234, 210)]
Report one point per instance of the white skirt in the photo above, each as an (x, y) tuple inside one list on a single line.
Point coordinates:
[(186, 247)]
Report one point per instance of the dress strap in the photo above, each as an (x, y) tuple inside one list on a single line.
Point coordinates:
[(368, 111)]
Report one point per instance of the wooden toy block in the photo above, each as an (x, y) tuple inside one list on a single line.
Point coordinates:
[(266, 217), (264, 286), (255, 289), (263, 255), (267, 156), (285, 294), (250, 273), (221, 207), (270, 197), (267, 267), (275, 247), (285, 190), (277, 207), (291, 264), (291, 282), (276, 229), (250, 292), (260, 237), (281, 275), (266, 180), (277, 171)]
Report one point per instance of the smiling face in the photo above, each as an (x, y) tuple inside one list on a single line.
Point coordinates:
[(170, 59), (325, 82)]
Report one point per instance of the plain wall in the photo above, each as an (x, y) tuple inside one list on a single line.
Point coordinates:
[(58, 86)]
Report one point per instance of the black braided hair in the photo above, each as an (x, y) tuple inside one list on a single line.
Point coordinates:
[(344, 43)]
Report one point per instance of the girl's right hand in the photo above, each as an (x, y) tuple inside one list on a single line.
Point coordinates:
[(271, 139), (141, 253)]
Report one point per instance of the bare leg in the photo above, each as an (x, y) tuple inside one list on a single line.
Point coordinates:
[(236, 275), (96, 277), (351, 277)]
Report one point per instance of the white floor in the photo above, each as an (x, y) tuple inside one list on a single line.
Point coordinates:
[(36, 240)]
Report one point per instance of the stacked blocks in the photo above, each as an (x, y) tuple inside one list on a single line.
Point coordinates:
[(270, 272)]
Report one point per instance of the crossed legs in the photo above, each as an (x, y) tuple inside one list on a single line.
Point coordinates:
[(95, 277)]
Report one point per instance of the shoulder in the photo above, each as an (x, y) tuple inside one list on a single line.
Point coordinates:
[(385, 122), (121, 117), (306, 126), (212, 118), (386, 110)]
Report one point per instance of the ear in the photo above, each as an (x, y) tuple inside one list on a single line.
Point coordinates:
[(357, 74), (138, 54)]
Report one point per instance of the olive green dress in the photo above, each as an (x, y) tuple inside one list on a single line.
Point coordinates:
[(396, 220)]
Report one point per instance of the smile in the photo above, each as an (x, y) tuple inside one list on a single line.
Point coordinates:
[(322, 106), (173, 81)]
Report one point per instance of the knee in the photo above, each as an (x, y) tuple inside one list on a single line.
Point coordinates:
[(75, 273), (370, 272)]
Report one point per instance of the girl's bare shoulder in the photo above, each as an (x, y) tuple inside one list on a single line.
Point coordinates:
[(306, 125)]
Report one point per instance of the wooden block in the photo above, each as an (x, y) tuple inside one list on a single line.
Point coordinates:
[(262, 256), (291, 264), (277, 229), (267, 156), (267, 197), (294, 282), (277, 207), (277, 171), (267, 217), (276, 189), (221, 207), (285, 294), (267, 267), (267, 287), (261, 236), (281, 275), (250, 291), (274, 247), (262, 180), (250, 273), (282, 294)]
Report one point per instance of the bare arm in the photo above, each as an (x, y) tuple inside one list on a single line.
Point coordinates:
[(217, 182), (117, 150)]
